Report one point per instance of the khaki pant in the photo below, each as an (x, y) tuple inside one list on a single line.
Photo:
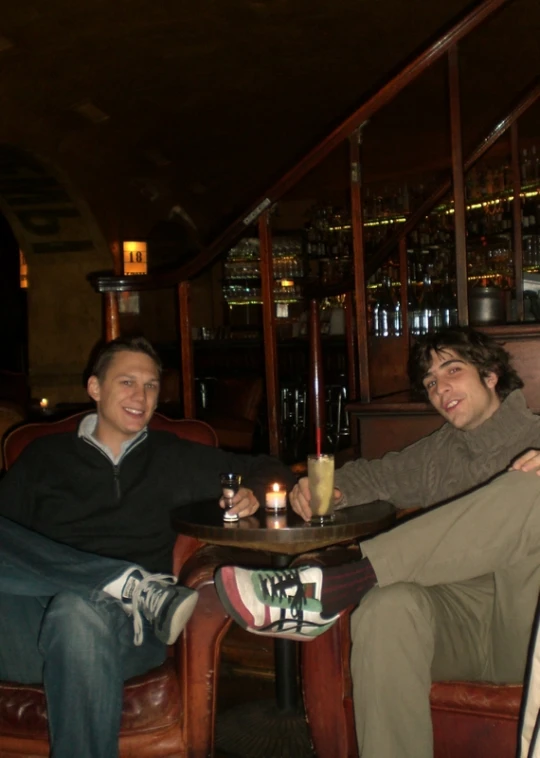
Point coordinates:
[(458, 588)]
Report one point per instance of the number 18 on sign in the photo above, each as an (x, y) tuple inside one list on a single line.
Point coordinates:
[(135, 261)]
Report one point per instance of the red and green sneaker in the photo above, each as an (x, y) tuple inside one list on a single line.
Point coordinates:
[(277, 603)]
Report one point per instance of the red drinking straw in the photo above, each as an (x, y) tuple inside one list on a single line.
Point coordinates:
[(317, 381)]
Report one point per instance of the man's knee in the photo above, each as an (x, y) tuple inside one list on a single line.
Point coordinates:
[(390, 611), (81, 624)]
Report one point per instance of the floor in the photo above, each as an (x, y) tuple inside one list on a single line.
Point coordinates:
[(249, 726)]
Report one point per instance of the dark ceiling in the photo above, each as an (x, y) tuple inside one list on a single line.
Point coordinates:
[(149, 105)]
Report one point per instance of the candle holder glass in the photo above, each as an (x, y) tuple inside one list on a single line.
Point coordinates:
[(276, 499)]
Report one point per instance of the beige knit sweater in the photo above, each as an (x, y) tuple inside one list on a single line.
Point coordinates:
[(445, 464)]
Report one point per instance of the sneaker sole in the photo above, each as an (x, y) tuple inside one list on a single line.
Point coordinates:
[(175, 623), (226, 603)]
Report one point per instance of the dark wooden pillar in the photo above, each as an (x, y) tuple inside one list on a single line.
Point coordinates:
[(404, 278), (186, 350), (357, 221), (516, 219), (352, 376), (111, 316), (459, 191), (269, 332)]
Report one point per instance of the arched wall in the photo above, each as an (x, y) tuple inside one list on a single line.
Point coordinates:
[(63, 244)]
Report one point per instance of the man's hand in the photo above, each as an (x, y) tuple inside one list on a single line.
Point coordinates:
[(244, 503), (300, 498), (529, 461)]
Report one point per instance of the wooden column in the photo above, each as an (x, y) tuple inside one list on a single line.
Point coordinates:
[(404, 278), (357, 221), (316, 384), (516, 219), (111, 316), (186, 350), (352, 376), (459, 192), (269, 332)]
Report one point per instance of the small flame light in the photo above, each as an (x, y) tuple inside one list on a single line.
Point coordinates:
[(276, 499)]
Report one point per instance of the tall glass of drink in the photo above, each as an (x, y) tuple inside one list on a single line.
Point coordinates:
[(321, 486)]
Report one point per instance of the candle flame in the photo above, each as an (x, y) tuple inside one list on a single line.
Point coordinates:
[(275, 487), (44, 402)]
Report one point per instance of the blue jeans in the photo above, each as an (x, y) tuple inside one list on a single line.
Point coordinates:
[(57, 627)]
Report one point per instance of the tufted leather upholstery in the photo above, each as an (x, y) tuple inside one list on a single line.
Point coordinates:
[(187, 428), (470, 719), (168, 712)]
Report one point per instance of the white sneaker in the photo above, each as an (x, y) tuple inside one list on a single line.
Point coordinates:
[(164, 603), (282, 603)]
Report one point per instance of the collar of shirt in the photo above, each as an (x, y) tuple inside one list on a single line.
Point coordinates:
[(86, 431)]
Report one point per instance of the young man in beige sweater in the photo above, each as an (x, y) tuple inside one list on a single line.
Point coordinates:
[(450, 594)]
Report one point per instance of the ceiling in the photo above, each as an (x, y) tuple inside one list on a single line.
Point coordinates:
[(148, 106)]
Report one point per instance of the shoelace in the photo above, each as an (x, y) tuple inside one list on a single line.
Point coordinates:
[(275, 584), (151, 598)]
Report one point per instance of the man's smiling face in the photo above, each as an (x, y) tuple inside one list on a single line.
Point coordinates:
[(126, 397), (458, 392)]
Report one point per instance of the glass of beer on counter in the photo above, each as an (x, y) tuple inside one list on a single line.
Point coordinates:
[(321, 485)]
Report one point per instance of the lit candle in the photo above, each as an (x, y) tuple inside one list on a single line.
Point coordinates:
[(44, 403), (276, 499)]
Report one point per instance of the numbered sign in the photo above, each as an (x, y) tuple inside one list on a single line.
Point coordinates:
[(135, 261)]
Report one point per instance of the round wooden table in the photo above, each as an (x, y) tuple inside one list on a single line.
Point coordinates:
[(283, 536), (263, 531)]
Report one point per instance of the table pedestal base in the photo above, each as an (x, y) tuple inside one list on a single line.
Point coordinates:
[(260, 730)]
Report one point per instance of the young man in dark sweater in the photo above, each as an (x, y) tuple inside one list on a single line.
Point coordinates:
[(85, 546), (450, 594)]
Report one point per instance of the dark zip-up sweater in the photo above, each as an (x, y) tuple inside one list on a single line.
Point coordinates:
[(66, 488)]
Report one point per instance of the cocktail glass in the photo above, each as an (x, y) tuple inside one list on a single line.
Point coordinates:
[(321, 486)]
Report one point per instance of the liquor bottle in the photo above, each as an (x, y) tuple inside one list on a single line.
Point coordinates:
[(386, 309), (398, 321), (415, 312), (525, 167), (431, 314), (448, 305), (535, 164)]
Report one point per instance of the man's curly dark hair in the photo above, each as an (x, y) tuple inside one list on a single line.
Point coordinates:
[(473, 347)]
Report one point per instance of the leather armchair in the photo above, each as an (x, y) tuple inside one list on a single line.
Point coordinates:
[(470, 719), (10, 415), (168, 712)]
